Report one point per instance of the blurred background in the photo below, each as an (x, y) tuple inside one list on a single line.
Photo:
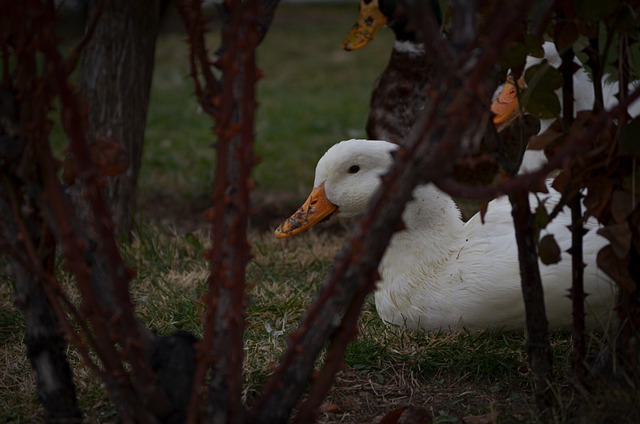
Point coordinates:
[(313, 94)]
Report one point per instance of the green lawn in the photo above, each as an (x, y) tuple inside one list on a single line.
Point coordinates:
[(313, 95)]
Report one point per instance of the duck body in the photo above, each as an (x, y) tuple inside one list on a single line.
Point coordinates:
[(399, 93), (440, 273)]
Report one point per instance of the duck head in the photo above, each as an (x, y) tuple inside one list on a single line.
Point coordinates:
[(374, 14), (370, 20), (507, 106), (346, 178)]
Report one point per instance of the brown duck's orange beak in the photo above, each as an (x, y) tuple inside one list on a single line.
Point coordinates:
[(506, 106), (315, 209), (369, 22)]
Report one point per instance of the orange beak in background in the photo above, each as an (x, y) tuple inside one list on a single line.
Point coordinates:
[(506, 106), (369, 23), (316, 208)]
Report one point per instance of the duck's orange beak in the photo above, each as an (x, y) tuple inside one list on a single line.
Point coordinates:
[(315, 209), (506, 106), (369, 22)]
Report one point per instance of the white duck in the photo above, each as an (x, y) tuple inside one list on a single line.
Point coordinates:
[(506, 106), (441, 273)]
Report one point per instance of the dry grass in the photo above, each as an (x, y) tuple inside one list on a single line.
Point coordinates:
[(465, 376)]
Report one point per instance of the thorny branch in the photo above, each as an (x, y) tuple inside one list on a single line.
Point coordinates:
[(576, 146), (90, 251), (538, 348), (231, 102), (432, 142), (199, 61), (576, 293)]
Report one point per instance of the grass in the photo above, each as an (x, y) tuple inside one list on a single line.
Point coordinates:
[(313, 95), (456, 375)]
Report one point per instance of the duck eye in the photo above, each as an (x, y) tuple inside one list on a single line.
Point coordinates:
[(354, 169)]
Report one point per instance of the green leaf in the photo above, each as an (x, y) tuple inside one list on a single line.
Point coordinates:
[(540, 99), (543, 104), (595, 10), (543, 77), (626, 19), (541, 217), (548, 250), (619, 235), (630, 137), (534, 45), (514, 56), (631, 183), (634, 59), (565, 35)]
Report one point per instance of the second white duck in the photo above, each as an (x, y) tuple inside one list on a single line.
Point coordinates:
[(506, 104), (441, 273)]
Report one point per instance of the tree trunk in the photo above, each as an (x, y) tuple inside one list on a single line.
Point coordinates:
[(115, 78), (45, 343)]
